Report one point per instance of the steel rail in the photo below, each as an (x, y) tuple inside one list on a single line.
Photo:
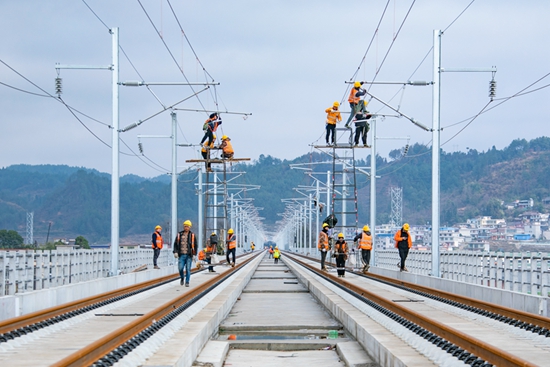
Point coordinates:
[(473, 345), (523, 316), (27, 320), (103, 346)]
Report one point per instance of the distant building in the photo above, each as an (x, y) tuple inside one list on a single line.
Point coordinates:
[(527, 203)]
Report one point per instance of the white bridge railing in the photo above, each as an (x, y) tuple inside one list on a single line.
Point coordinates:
[(28, 270)]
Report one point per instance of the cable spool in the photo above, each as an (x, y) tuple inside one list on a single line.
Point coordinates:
[(58, 86)]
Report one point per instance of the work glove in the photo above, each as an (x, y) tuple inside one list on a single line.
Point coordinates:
[(176, 255)]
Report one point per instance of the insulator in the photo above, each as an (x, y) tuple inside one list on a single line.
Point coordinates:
[(492, 89), (406, 149), (140, 147), (58, 86)]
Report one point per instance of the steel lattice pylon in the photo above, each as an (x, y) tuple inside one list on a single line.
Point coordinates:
[(396, 216), (30, 221)]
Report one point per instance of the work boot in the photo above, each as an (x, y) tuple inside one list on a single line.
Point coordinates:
[(405, 269), (187, 284), (156, 267), (181, 281)]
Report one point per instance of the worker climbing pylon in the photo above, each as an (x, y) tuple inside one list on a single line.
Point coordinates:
[(205, 151), (210, 126), (333, 117), (354, 97)]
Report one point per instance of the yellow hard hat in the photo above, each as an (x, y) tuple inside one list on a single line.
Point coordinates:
[(187, 223), (336, 104), (225, 137), (158, 227), (213, 234), (230, 231), (340, 235), (365, 102), (406, 226), (276, 248), (325, 225), (357, 84), (214, 136), (366, 228)]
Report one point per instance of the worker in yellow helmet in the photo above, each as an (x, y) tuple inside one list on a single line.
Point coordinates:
[(205, 151), (403, 242), (157, 242), (226, 147), (323, 245), (185, 249), (354, 97), (210, 126), (364, 243), (341, 255), (333, 117), (276, 255), (231, 243)]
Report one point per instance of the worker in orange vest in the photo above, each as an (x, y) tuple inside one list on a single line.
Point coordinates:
[(210, 249), (354, 97), (157, 243), (403, 242), (226, 147), (341, 255), (333, 117), (323, 245), (231, 245), (364, 242)]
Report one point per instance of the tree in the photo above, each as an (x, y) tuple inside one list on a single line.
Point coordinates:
[(81, 242), (10, 239)]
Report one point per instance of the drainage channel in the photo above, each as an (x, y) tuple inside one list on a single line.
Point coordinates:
[(275, 322)]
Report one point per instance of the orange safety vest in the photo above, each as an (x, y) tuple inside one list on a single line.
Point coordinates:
[(365, 243), (333, 116), (227, 147), (341, 248), (231, 241), (159, 241), (205, 145), (352, 98), (323, 241)]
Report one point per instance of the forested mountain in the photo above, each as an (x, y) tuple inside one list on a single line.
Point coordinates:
[(76, 201)]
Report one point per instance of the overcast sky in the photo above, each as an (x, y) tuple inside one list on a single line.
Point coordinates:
[(284, 62)]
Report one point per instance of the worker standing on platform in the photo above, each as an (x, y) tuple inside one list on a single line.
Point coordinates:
[(403, 242), (210, 249), (333, 117), (157, 243), (362, 127), (276, 255), (323, 245), (185, 248), (354, 97), (226, 147), (231, 243), (341, 255), (210, 126), (205, 151), (364, 240)]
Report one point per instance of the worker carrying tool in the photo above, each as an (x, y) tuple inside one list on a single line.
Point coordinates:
[(341, 255), (226, 147), (333, 117), (362, 127), (354, 97), (210, 126)]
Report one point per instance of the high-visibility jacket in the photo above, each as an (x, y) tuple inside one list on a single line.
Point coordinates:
[(352, 98), (227, 147), (333, 116), (323, 241), (276, 254), (191, 245), (157, 241), (365, 242), (340, 247), (400, 238), (231, 241)]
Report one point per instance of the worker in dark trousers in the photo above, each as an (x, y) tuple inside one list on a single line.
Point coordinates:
[(205, 151), (323, 245), (341, 255), (333, 117), (403, 242), (354, 97), (231, 243), (157, 243), (364, 241), (362, 127), (210, 126)]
